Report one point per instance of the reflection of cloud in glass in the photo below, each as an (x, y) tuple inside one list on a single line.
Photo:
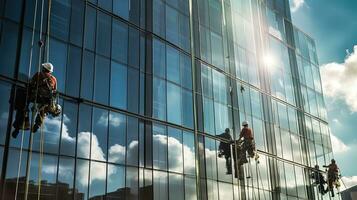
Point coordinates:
[(115, 120), (116, 151)]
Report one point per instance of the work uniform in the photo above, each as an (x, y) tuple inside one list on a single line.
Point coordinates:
[(43, 87), (248, 143), (225, 150), (332, 174), (319, 181)]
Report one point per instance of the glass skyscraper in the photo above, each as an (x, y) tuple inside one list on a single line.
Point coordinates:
[(147, 87)]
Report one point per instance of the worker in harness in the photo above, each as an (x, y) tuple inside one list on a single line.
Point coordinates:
[(332, 175), (42, 90), (248, 143), (319, 180), (224, 149)]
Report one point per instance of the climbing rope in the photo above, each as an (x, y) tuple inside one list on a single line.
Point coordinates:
[(37, 111), (26, 99)]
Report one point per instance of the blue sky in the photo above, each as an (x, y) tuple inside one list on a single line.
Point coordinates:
[(333, 25)]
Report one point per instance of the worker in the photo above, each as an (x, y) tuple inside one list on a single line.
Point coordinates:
[(319, 180), (224, 149), (42, 90), (22, 121), (332, 175), (248, 143)]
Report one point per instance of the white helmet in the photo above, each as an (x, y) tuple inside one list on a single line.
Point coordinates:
[(48, 66), (245, 123)]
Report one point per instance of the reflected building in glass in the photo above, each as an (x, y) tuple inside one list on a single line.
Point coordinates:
[(147, 87)]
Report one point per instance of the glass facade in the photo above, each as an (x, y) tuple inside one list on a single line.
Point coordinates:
[(147, 87)]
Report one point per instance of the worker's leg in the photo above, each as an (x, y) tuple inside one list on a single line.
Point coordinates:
[(251, 148), (39, 120), (243, 154), (228, 164)]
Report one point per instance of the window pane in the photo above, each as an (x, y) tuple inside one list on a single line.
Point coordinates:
[(116, 182), (120, 40), (206, 75), (117, 138), (176, 191), (217, 50), (186, 73), (58, 57), (159, 147), (159, 17), (190, 189), (12, 172), (172, 21), (97, 182), (212, 189), (208, 115), (84, 131), (60, 18), (99, 134), (221, 117), (8, 48), (174, 106), (187, 112), (103, 34), (219, 87), (77, 21), (118, 86), (82, 169), (225, 191), (101, 84), (132, 142), (69, 128), (134, 50), (91, 19), (211, 162), (87, 75), (285, 138), (65, 178), (175, 157), (121, 8), (133, 90), (160, 185), (132, 185), (159, 56), (173, 65), (189, 153), (73, 71), (159, 99)]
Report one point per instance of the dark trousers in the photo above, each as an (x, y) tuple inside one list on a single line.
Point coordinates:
[(228, 164), (248, 146)]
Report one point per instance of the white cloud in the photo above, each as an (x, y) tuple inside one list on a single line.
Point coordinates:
[(296, 4), (339, 146), (348, 181), (339, 80)]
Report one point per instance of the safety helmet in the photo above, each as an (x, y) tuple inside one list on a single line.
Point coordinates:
[(333, 160), (48, 66), (245, 123), (227, 130)]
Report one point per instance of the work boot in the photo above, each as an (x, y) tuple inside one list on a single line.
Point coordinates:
[(35, 128), (15, 133)]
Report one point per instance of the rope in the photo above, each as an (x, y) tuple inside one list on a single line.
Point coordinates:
[(35, 109), (27, 91), (40, 164), (42, 134)]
